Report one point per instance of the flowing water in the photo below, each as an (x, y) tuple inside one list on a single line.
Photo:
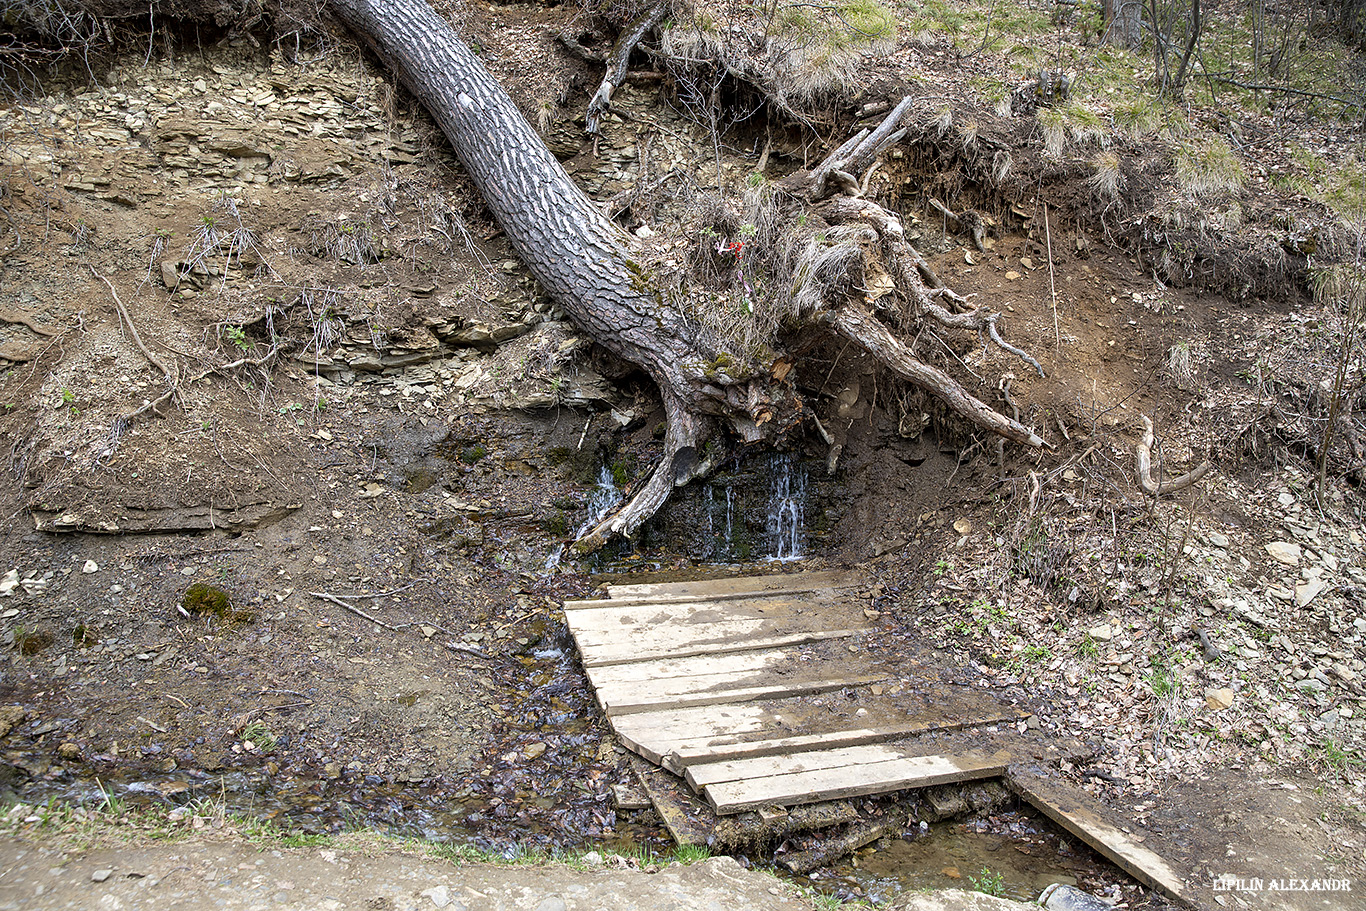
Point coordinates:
[(786, 508), (601, 500), (755, 510)]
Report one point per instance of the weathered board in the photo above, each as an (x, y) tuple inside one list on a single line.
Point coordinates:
[(1079, 813), (771, 671), (763, 705), (735, 587)]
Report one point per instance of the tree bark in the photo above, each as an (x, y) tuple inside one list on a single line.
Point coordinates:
[(585, 263)]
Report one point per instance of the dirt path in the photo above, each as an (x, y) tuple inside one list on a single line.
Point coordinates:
[(228, 874)]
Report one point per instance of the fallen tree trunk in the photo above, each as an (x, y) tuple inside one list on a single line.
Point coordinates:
[(587, 265)]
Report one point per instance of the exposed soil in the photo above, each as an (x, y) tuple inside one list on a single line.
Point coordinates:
[(237, 199)]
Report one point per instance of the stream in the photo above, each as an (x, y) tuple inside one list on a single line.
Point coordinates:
[(751, 515)]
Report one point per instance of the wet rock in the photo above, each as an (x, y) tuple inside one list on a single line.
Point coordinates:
[(945, 803), (69, 751), (10, 715), (1061, 897)]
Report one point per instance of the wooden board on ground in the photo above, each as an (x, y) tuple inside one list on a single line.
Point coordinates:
[(677, 683), (737, 587), (645, 632), (1083, 816), (684, 736), (768, 692), (913, 762), (687, 817)]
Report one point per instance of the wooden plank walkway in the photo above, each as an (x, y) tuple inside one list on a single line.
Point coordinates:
[(766, 697), (762, 691)]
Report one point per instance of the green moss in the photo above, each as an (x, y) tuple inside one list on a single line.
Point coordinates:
[(471, 455), (558, 455), (557, 523), (203, 600)]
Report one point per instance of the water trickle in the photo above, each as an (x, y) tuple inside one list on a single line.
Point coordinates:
[(603, 499), (786, 507)]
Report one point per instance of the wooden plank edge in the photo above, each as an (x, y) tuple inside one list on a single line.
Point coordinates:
[(1143, 864), (679, 760), (739, 694), (659, 592), (603, 658), (965, 768), (793, 594)]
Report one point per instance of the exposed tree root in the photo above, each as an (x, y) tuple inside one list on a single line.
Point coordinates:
[(1143, 455), (868, 332), (710, 383), (172, 380), (617, 63), (16, 318)]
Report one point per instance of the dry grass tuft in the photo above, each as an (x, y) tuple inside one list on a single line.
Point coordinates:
[(1208, 167), (1108, 181)]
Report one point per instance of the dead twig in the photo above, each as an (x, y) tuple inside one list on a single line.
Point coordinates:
[(171, 378), (1143, 455), (357, 611)]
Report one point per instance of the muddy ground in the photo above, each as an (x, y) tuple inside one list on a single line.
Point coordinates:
[(373, 403)]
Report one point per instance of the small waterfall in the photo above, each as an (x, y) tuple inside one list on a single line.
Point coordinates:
[(604, 497), (786, 507)]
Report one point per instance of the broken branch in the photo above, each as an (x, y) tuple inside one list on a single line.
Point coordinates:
[(617, 64), (1143, 455)]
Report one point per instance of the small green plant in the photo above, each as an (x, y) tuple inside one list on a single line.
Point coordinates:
[(1086, 647), (691, 854), (1208, 167), (988, 882), (236, 335), (259, 736), (943, 566), (67, 396), (1161, 680)]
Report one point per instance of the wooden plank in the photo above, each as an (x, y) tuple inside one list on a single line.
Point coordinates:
[(854, 781), (1080, 813), (613, 615), (684, 754), (701, 775), (689, 820), (897, 703), (739, 587), (669, 668), (644, 697), (736, 677), (620, 653)]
